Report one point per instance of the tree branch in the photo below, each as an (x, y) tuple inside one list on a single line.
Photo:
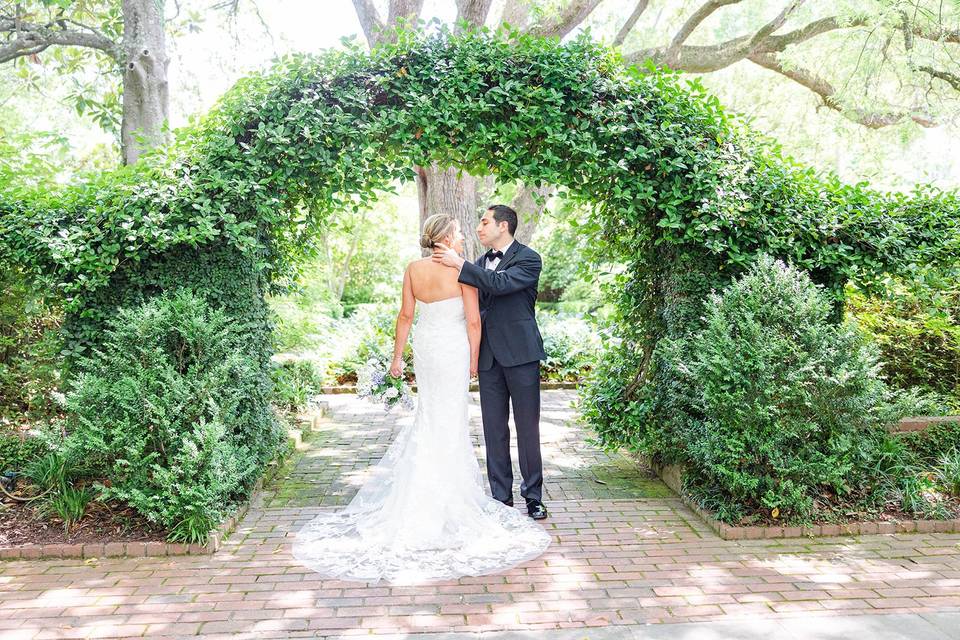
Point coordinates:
[(950, 78), (33, 38), (708, 58), (572, 14), (694, 21), (811, 30), (631, 21), (827, 93), (767, 29), (937, 35)]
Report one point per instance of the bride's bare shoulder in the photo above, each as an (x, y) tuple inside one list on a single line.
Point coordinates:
[(417, 265)]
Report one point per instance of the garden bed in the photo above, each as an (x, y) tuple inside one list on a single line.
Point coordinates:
[(890, 521), (21, 524), (117, 531), (97, 536)]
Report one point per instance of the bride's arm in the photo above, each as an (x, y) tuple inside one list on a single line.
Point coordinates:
[(471, 309), (404, 321)]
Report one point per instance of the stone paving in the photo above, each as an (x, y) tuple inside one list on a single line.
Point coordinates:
[(626, 553)]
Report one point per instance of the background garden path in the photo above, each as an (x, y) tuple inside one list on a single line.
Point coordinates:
[(626, 552)]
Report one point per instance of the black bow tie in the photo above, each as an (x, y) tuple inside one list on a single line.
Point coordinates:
[(493, 255)]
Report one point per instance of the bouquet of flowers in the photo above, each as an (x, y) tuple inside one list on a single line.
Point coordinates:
[(375, 382)]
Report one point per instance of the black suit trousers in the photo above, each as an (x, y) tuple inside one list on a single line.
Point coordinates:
[(499, 388)]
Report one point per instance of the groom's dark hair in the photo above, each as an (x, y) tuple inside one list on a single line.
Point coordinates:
[(503, 213)]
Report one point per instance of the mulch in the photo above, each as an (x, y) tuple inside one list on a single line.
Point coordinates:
[(103, 523)]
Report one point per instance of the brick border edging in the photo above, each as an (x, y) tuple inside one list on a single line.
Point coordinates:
[(214, 541), (672, 477), (544, 386)]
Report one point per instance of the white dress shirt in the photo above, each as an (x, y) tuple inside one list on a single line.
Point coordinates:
[(492, 264)]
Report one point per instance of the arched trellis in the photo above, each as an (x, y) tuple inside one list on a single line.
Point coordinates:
[(680, 194)]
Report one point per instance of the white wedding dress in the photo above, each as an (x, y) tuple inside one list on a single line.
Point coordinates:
[(423, 514)]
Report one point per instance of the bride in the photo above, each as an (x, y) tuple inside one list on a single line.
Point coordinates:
[(422, 515)]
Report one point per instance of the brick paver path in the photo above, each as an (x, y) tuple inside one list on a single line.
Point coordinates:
[(625, 551)]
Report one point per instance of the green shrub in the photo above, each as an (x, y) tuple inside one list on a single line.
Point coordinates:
[(792, 404), (570, 343), (51, 471), (162, 410), (917, 328), (29, 351), (912, 489), (949, 472), (18, 451), (930, 444), (294, 382)]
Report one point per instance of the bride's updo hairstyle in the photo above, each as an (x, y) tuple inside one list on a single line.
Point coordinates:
[(435, 229)]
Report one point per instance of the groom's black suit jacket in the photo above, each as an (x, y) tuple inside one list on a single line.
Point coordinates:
[(507, 296)]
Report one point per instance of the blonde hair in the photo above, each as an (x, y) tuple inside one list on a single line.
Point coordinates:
[(436, 228)]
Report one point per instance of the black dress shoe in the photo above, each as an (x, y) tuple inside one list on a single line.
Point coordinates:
[(536, 510), (508, 502)]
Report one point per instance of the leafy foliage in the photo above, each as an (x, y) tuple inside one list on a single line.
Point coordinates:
[(917, 328), (570, 342), (682, 198), (786, 400), (29, 351), (949, 471), (17, 451), (168, 409), (927, 446), (294, 382)]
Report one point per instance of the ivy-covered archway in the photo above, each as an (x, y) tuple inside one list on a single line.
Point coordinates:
[(681, 195)]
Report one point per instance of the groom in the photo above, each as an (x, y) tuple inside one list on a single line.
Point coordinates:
[(510, 352)]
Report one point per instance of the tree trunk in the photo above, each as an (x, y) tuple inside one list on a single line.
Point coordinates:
[(145, 92), (473, 12), (529, 211), (442, 192)]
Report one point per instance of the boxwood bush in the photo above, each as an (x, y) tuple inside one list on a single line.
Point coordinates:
[(790, 407), (167, 409)]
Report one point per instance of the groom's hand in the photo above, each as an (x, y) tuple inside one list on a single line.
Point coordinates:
[(447, 256)]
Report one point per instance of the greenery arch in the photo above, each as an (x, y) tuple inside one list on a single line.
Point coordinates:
[(682, 196)]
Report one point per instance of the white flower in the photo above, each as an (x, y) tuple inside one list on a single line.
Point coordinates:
[(391, 393)]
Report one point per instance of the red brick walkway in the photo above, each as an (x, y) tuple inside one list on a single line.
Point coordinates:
[(624, 552)]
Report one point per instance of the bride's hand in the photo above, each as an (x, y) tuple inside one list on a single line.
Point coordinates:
[(473, 369), (396, 369)]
